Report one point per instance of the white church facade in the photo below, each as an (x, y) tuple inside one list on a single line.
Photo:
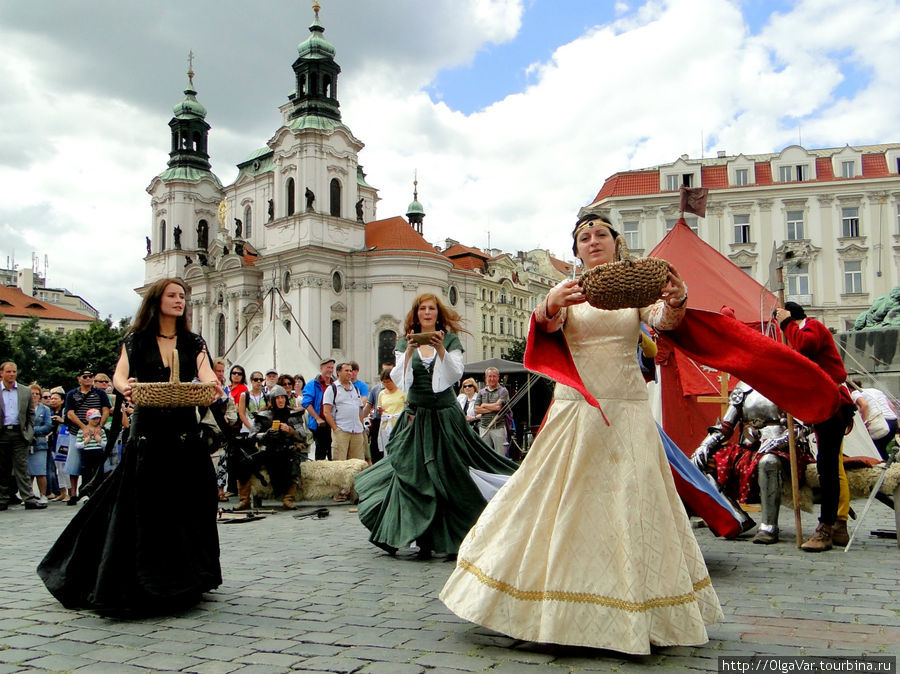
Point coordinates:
[(296, 239)]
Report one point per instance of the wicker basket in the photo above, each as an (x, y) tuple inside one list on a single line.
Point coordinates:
[(173, 393), (629, 282)]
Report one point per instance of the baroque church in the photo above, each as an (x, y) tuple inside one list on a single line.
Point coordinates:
[(295, 239)]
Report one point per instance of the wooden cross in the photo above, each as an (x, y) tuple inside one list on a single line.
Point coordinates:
[(723, 398)]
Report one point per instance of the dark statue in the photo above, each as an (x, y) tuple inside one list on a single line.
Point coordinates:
[(188, 260), (271, 210), (225, 251), (148, 244), (359, 210), (202, 235), (310, 198), (176, 234), (202, 259), (238, 248), (238, 228)]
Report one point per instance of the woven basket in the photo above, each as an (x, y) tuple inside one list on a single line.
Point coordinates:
[(629, 282), (173, 393)]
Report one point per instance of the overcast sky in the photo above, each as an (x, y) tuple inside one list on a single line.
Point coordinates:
[(513, 112)]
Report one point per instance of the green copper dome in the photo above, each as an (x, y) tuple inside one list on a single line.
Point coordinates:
[(190, 106), (415, 208), (316, 46)]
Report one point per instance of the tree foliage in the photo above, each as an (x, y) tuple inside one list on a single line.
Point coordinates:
[(517, 351), (55, 358)]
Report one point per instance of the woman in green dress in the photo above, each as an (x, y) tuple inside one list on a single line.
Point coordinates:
[(422, 491)]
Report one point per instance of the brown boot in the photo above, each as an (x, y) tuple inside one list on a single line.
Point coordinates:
[(820, 541), (244, 495), (839, 533), (287, 501)]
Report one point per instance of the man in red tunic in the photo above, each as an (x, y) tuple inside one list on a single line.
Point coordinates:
[(812, 339)]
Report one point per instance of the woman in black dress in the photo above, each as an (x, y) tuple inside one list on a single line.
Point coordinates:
[(146, 542)]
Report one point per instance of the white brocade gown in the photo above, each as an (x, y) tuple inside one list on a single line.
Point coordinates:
[(588, 544)]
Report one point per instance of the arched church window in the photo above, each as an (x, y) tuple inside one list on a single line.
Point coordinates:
[(313, 84), (289, 195), (248, 220), (336, 334), (337, 282), (454, 296), (195, 141), (326, 86), (286, 282), (162, 235), (301, 85), (287, 325), (387, 341), (220, 335), (335, 192)]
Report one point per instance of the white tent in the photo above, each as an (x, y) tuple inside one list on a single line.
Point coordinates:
[(274, 347)]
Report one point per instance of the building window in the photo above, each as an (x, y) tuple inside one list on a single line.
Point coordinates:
[(630, 232), (742, 177), (492, 324), (501, 325), (853, 276), (691, 222), (797, 279), (483, 323), (747, 270), (785, 174), (248, 222), (337, 282), (335, 334), (898, 219), (335, 197), (492, 296), (492, 352), (220, 335), (287, 325), (387, 342), (483, 294), (672, 183), (454, 296), (850, 222), (802, 172), (289, 196), (286, 282), (795, 225), (742, 228), (848, 169)]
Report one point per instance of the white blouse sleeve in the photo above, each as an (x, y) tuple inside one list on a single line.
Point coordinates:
[(446, 371), (402, 372)]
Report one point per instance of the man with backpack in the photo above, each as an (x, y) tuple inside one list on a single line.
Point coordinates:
[(488, 402)]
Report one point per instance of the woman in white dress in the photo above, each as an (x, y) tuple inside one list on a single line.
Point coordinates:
[(588, 543)]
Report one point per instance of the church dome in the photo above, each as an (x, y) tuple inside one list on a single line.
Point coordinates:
[(190, 106), (316, 46), (415, 208)]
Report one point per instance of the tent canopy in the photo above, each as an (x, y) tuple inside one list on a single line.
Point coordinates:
[(274, 347), (712, 279), (477, 368)]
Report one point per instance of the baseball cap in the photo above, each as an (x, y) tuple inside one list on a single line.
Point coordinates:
[(86, 372), (325, 361), (271, 370), (93, 414)]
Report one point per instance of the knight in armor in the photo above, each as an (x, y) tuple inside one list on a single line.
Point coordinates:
[(278, 442), (757, 463)]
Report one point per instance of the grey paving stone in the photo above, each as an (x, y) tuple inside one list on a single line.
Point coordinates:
[(465, 663), (285, 660), (393, 668), (338, 664), (112, 654), (165, 662)]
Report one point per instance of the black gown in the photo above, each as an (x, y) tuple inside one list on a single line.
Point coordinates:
[(146, 541)]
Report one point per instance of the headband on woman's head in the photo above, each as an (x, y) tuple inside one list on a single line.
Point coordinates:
[(590, 220)]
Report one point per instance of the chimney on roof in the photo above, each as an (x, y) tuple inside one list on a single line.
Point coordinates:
[(25, 281), (721, 154), (449, 243)]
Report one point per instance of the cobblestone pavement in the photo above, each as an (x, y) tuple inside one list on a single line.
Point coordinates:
[(313, 595)]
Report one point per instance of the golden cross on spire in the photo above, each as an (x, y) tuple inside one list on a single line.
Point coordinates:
[(316, 7), (190, 72)]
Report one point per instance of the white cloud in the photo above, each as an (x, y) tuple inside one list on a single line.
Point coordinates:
[(82, 139)]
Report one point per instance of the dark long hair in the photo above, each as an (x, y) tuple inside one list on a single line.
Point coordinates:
[(448, 320), (146, 321)]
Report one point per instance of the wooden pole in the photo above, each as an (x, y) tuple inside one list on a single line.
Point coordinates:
[(792, 442)]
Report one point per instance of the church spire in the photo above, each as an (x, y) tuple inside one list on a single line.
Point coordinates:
[(415, 213), (316, 75), (190, 132)]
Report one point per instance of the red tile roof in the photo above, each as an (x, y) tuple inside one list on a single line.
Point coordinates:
[(763, 173), (13, 302), (824, 168), (629, 184), (714, 177), (458, 249), (875, 166), (395, 234), (564, 267)]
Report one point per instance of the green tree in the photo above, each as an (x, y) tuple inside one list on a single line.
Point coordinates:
[(54, 359), (517, 351)]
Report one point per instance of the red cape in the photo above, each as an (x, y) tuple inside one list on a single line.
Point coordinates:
[(790, 380)]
